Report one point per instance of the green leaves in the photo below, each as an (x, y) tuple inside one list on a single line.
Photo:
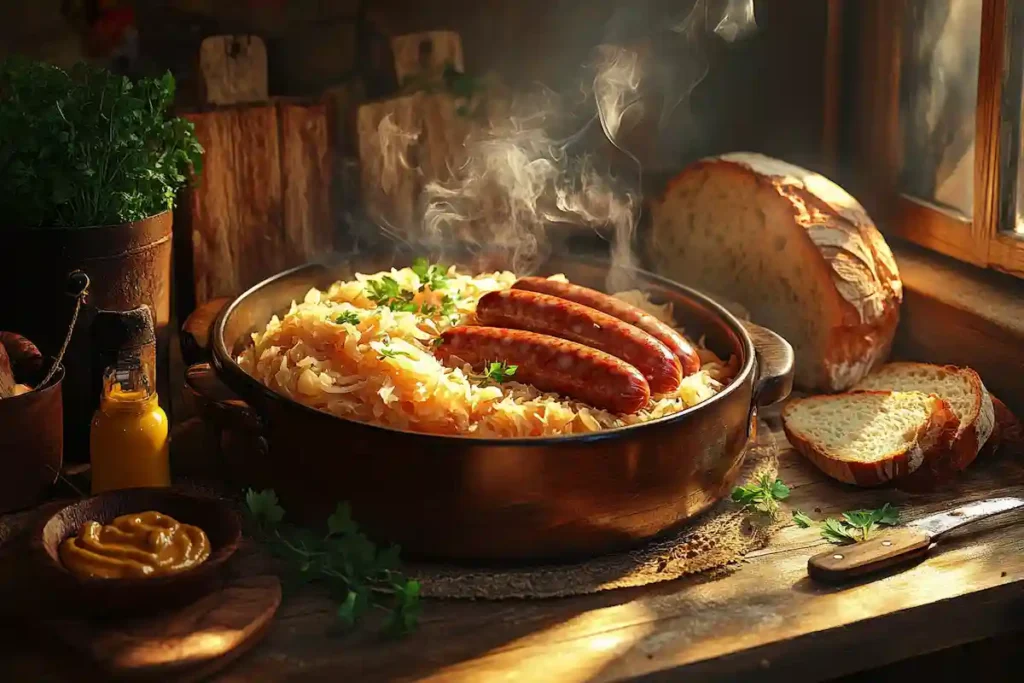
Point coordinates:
[(434, 276), (498, 372), (86, 147), (387, 293), (348, 317), (358, 574), (802, 520), (263, 507), (854, 527), (763, 495)]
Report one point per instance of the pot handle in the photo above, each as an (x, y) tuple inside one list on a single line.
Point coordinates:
[(195, 333), (774, 365), (217, 401)]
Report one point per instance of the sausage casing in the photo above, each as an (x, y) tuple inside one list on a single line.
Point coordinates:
[(617, 308), (524, 310), (551, 364)]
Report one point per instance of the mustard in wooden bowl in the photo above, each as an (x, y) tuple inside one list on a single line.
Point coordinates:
[(138, 545)]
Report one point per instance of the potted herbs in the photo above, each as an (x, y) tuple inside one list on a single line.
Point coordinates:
[(90, 163)]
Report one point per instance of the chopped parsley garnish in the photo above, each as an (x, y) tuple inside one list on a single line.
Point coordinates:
[(388, 352), (387, 293), (349, 317), (854, 527), (763, 495), (498, 372), (434, 276), (447, 308), (448, 305)]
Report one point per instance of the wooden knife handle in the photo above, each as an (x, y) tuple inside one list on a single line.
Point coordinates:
[(888, 549)]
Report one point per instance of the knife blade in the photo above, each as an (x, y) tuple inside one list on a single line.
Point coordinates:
[(903, 544)]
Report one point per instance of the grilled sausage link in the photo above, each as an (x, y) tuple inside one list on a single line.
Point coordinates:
[(551, 364), (557, 317), (605, 303)]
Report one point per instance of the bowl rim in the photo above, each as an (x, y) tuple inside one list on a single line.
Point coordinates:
[(242, 383), (217, 558)]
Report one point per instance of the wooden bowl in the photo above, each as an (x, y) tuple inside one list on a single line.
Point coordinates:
[(135, 595)]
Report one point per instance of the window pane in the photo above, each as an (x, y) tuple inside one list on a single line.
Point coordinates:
[(938, 97)]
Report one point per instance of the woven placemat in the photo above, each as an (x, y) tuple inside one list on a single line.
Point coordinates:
[(717, 540)]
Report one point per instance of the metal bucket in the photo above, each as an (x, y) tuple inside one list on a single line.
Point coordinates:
[(31, 443), (129, 265)]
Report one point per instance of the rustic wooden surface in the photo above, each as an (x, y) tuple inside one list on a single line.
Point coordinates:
[(404, 143), (263, 204), (426, 54), (766, 621), (233, 70), (186, 644)]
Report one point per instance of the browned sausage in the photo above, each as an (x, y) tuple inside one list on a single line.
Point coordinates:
[(569, 320), (551, 364), (605, 303)]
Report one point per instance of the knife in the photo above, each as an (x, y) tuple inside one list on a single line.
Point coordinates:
[(903, 544)]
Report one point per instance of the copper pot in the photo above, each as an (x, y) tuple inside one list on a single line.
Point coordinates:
[(471, 499)]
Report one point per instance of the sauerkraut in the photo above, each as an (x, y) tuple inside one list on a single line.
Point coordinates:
[(362, 350)]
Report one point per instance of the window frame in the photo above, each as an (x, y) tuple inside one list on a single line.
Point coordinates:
[(874, 137)]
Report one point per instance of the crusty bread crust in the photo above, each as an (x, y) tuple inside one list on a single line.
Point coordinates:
[(926, 445), (842, 250), (963, 439)]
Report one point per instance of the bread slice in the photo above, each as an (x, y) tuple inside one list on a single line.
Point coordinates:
[(793, 248), (868, 438), (963, 391)]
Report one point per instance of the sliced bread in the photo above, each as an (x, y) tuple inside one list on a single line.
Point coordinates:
[(963, 391), (868, 438), (792, 247)]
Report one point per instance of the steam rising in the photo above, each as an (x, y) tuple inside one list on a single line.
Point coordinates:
[(518, 180)]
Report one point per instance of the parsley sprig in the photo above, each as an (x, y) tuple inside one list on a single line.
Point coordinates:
[(497, 372), (432, 275), (358, 574), (387, 293), (854, 526), (349, 317), (763, 495)]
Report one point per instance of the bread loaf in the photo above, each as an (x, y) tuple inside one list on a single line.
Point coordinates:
[(792, 247)]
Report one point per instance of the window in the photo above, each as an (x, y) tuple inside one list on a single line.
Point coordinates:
[(934, 130)]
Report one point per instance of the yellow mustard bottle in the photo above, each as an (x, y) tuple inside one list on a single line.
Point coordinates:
[(128, 440)]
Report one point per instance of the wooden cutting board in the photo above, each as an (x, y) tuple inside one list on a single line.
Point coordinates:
[(187, 644)]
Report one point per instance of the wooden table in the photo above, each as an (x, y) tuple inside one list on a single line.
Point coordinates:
[(766, 621)]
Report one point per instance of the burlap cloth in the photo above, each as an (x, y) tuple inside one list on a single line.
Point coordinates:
[(717, 540)]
